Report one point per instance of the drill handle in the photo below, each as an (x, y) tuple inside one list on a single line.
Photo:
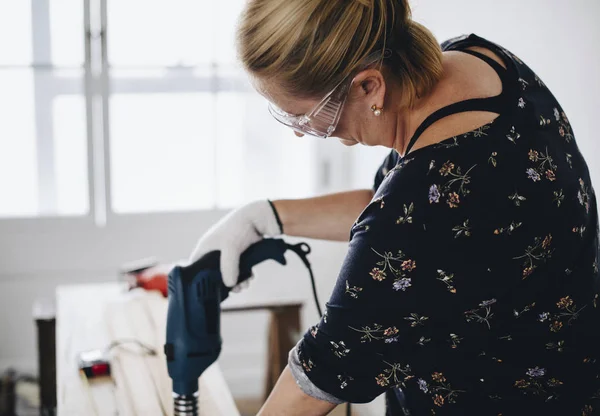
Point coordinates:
[(267, 249)]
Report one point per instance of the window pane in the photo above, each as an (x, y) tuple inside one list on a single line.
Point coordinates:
[(66, 32), (18, 168), (162, 152), (231, 147), (43, 149), (15, 32), (277, 163), (161, 32), (70, 155), (258, 157)]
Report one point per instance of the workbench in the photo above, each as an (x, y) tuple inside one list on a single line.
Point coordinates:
[(92, 316)]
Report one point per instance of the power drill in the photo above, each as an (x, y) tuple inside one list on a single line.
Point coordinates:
[(194, 315)]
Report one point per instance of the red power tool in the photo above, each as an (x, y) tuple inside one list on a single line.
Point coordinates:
[(147, 274)]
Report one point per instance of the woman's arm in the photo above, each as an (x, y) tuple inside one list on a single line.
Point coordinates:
[(287, 399), (327, 217)]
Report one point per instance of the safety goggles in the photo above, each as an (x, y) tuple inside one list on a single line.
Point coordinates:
[(323, 119)]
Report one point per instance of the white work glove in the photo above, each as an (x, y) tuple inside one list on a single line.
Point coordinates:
[(234, 233)]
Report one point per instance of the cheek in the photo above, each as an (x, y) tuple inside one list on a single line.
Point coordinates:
[(348, 127)]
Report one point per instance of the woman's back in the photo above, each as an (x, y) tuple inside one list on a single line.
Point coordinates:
[(493, 283)]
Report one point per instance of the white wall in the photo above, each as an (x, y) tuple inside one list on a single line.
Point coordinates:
[(558, 39)]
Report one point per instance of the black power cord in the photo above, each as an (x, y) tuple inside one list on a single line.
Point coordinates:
[(303, 250), (147, 350)]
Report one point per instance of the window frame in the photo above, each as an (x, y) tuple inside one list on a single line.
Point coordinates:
[(98, 86)]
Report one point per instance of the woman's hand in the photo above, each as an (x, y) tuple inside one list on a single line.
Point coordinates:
[(327, 217), (234, 233)]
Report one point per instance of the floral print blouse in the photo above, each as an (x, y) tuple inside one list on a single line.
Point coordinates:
[(471, 282)]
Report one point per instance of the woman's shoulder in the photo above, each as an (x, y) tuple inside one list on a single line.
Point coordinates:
[(452, 42), (468, 40), (401, 183), (390, 161), (462, 42)]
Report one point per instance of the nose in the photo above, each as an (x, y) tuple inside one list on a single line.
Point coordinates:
[(298, 134)]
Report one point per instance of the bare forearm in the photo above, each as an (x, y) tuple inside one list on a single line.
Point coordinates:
[(327, 217), (287, 399)]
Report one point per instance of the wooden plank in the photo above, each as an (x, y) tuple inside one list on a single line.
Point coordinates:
[(215, 398), (155, 307), (122, 393), (79, 328), (145, 331), (136, 374), (89, 317)]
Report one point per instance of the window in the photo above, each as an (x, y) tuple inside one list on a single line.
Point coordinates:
[(146, 112), (43, 144)]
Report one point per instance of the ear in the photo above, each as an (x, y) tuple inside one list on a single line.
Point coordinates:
[(370, 85)]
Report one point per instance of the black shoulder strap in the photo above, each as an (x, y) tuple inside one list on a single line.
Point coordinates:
[(491, 104), (500, 70)]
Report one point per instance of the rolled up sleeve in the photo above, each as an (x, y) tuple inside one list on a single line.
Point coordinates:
[(303, 381)]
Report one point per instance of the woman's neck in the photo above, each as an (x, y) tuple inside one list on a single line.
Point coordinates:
[(444, 93)]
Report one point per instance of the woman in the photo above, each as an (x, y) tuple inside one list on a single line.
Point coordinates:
[(471, 282)]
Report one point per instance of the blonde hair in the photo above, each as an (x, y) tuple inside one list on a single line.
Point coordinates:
[(308, 46)]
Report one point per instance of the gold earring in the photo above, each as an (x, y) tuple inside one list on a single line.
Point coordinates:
[(376, 110)]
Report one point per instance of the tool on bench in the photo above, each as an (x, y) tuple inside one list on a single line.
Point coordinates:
[(194, 315), (147, 274), (96, 363)]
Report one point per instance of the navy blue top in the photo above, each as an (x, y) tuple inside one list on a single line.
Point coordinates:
[(471, 281)]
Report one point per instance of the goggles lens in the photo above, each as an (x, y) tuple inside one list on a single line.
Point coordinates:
[(324, 118)]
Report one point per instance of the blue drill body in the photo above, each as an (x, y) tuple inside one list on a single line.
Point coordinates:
[(194, 317)]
